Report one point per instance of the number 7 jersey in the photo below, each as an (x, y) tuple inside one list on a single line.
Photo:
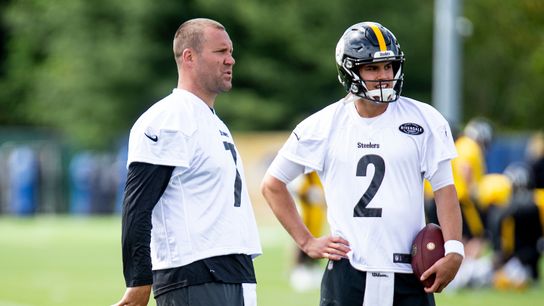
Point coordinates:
[(205, 210), (372, 171)]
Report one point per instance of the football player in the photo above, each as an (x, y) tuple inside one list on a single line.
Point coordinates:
[(308, 192), (188, 228), (519, 230), (468, 169), (372, 149)]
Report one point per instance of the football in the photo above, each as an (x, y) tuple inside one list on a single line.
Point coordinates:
[(427, 248)]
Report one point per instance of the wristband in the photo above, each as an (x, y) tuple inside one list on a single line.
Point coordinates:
[(454, 246)]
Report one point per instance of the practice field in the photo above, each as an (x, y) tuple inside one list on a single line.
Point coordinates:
[(55, 261)]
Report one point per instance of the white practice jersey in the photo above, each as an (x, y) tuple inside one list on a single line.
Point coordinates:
[(372, 170), (205, 210)]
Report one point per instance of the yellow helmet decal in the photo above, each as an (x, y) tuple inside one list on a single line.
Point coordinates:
[(379, 36)]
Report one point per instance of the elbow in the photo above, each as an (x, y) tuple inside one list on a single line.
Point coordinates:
[(271, 185), (266, 186)]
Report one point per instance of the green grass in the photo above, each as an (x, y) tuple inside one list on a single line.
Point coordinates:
[(59, 261)]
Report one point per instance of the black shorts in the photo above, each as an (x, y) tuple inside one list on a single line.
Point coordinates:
[(344, 285), (207, 294)]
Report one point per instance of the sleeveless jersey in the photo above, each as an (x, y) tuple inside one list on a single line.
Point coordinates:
[(372, 171), (205, 210)]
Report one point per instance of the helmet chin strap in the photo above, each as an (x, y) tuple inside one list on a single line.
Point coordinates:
[(381, 95)]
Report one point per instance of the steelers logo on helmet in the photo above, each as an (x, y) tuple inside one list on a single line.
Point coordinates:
[(365, 43)]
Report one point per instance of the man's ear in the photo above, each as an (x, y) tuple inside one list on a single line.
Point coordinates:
[(187, 56)]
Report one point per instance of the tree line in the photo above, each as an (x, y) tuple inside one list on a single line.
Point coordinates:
[(89, 68)]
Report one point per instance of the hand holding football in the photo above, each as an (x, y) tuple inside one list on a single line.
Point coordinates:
[(427, 248)]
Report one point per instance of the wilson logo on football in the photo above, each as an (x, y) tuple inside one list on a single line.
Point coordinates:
[(411, 128)]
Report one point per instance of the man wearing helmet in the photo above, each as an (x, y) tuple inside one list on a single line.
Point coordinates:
[(368, 47), (469, 169), (371, 155)]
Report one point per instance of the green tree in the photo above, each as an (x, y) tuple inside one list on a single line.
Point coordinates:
[(88, 69), (504, 62)]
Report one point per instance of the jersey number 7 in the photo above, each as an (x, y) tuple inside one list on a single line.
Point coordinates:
[(238, 181)]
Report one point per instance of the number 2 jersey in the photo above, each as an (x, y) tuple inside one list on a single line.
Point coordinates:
[(205, 210), (372, 171)]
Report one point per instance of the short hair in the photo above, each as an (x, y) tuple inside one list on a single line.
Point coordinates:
[(190, 34)]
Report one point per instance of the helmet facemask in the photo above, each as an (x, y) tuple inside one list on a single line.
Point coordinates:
[(382, 94)]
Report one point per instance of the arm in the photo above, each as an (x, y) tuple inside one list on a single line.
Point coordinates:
[(282, 204), (449, 216), (449, 212), (145, 185)]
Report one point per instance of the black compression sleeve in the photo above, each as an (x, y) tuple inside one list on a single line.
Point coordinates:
[(145, 185)]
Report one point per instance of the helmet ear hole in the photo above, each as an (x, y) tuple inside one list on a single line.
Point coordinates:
[(354, 88)]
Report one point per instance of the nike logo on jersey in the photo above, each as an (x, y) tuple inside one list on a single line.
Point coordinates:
[(223, 133), (445, 131), (411, 128), (153, 138), (298, 138)]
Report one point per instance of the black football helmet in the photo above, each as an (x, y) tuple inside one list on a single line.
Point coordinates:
[(365, 43), (519, 174), (480, 130)]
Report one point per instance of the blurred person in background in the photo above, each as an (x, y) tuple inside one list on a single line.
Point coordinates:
[(308, 192), (372, 149), (515, 225), (520, 229), (188, 227), (469, 167), (535, 157), (512, 213)]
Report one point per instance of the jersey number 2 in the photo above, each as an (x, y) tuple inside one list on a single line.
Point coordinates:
[(238, 181), (361, 209)]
